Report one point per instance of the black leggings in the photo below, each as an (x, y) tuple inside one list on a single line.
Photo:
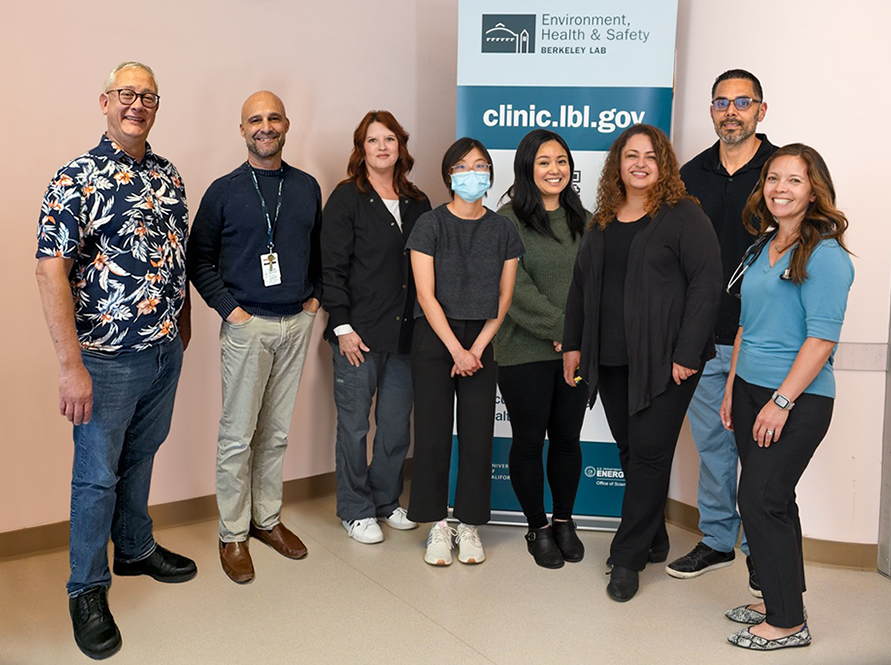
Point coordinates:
[(540, 403), (435, 392), (767, 494), (646, 440)]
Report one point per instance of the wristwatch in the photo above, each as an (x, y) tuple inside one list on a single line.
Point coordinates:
[(783, 403)]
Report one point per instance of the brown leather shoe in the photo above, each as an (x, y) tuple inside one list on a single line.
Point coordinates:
[(236, 560), (281, 539)]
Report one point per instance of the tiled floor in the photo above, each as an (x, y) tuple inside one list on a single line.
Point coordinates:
[(353, 603)]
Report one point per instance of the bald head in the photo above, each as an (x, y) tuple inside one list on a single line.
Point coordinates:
[(263, 126)]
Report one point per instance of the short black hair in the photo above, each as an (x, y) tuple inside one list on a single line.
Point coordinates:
[(456, 153), (739, 74)]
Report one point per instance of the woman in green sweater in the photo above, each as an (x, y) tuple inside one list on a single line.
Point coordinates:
[(551, 220)]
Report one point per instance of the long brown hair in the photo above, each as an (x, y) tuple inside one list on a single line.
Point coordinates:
[(356, 169), (669, 188), (822, 220)]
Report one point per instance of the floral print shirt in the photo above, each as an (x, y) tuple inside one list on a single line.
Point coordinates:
[(125, 225)]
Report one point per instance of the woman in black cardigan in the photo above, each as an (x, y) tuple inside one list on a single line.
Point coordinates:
[(639, 321), (369, 296)]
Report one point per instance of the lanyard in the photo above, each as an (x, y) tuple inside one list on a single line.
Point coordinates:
[(270, 223)]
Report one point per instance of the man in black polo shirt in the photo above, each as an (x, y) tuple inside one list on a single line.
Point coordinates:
[(722, 178), (256, 260)]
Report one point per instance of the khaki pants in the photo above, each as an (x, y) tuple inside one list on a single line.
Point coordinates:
[(261, 363)]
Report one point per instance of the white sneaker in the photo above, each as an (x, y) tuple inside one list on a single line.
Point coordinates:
[(365, 530), (398, 519), (470, 549), (439, 544)]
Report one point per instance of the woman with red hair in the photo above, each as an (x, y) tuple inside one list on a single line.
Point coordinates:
[(369, 295)]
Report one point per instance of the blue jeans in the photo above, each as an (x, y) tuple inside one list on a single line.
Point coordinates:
[(113, 457), (365, 490), (718, 459)]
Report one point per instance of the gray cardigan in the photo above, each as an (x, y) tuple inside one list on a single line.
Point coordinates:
[(672, 294)]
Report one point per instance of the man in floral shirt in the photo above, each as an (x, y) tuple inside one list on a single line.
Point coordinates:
[(111, 271)]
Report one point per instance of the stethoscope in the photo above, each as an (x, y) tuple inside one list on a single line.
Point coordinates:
[(751, 255)]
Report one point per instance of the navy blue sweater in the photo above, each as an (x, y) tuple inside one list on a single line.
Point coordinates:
[(229, 235)]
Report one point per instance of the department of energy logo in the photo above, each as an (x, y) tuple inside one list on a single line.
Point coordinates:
[(508, 33)]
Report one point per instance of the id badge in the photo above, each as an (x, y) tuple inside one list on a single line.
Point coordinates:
[(272, 271)]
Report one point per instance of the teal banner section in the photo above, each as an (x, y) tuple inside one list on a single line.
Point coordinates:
[(601, 486), (588, 118)]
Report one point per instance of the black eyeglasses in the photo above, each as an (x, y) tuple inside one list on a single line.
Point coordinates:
[(741, 103), (149, 99)]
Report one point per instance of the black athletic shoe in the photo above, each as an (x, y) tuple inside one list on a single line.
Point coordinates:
[(699, 560), (754, 584)]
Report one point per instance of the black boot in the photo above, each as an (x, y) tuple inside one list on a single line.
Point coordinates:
[(94, 628), (543, 548), (571, 547), (623, 584)]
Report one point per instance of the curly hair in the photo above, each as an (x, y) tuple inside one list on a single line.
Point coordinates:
[(669, 188), (357, 171), (822, 220)]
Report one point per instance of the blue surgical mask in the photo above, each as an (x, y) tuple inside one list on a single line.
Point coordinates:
[(471, 185)]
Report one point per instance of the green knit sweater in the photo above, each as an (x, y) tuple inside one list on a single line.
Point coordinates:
[(535, 318)]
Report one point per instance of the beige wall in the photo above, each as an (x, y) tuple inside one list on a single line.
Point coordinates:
[(331, 62)]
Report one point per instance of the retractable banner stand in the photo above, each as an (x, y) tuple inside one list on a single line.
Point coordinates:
[(586, 69)]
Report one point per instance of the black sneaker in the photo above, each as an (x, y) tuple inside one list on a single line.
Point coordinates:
[(94, 628), (701, 559), (754, 584)]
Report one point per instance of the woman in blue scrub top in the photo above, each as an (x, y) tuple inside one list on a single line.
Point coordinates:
[(794, 293)]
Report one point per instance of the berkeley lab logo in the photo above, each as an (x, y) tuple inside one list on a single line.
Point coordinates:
[(508, 33)]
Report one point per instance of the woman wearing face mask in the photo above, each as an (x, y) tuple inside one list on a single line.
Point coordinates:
[(639, 319), (464, 259), (551, 220), (794, 296)]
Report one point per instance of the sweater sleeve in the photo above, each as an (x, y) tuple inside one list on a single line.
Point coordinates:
[(203, 254), (575, 300), (314, 271), (700, 259), (338, 240), (531, 310)]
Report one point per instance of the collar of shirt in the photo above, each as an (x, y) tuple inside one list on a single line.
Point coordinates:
[(713, 158)]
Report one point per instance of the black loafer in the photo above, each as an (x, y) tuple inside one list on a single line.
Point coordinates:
[(162, 565), (95, 631), (543, 548), (572, 549), (623, 584)]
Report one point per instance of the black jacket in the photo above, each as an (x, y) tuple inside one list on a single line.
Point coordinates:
[(366, 271), (672, 291)]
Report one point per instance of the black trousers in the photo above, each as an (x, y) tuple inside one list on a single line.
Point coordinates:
[(646, 440), (767, 494), (540, 403), (435, 392)]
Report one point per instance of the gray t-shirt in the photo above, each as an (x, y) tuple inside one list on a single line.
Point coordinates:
[(468, 257)]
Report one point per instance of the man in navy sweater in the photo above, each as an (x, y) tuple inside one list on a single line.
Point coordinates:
[(254, 257)]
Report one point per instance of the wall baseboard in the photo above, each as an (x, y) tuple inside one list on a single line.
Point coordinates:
[(857, 556), (51, 537)]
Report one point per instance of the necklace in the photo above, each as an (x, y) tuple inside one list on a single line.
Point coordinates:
[(781, 248)]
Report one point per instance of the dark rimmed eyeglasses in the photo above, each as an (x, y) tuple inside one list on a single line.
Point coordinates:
[(149, 99), (740, 103)]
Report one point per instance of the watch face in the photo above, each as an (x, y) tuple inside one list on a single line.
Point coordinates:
[(781, 401)]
